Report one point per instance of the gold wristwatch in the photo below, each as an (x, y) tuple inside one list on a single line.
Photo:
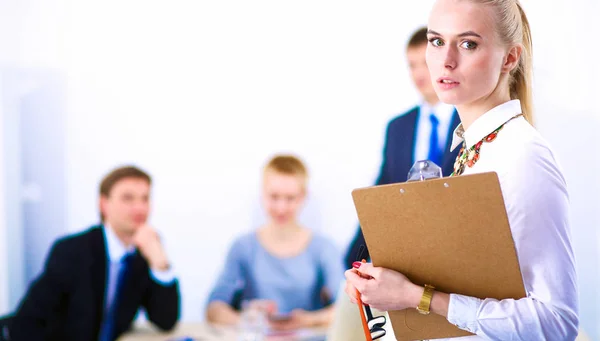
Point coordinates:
[(425, 303)]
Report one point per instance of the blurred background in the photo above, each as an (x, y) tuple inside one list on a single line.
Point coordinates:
[(201, 93)]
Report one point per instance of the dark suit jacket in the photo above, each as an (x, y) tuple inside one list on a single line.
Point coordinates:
[(401, 138), (66, 302)]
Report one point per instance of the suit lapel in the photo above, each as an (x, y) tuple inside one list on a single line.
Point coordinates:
[(99, 271), (410, 131), (450, 156), (128, 303), (134, 273), (453, 124)]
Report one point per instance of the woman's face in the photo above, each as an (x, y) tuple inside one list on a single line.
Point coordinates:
[(464, 55), (283, 196)]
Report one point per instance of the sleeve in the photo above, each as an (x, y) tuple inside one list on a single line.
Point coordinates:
[(44, 297), (162, 302), (231, 278), (537, 205), (162, 305), (164, 277), (332, 269)]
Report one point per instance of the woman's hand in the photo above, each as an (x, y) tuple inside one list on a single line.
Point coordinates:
[(266, 306), (298, 319), (381, 288)]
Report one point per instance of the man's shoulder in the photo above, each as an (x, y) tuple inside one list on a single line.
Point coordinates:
[(407, 117), (79, 241), (70, 253)]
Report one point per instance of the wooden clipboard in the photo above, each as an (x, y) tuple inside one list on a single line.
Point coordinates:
[(452, 233)]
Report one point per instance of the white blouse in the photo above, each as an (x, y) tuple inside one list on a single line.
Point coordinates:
[(537, 204)]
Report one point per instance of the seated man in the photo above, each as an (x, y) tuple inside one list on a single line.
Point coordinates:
[(94, 282)]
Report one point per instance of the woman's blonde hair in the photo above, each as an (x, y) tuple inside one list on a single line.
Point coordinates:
[(513, 28), (287, 165)]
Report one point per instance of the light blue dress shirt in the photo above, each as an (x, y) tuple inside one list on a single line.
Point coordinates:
[(444, 113), (292, 282)]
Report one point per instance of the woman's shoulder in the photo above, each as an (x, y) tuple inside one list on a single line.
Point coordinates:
[(321, 242), (526, 144), (244, 241), (532, 153)]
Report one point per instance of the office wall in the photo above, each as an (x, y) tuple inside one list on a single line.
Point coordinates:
[(201, 94), (4, 292), (567, 116), (205, 97), (4, 271), (32, 92)]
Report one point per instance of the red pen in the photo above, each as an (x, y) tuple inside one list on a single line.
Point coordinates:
[(360, 308)]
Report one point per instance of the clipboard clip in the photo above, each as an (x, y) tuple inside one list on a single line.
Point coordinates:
[(424, 170)]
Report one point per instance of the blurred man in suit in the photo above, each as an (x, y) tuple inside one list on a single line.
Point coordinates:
[(424, 132), (94, 282)]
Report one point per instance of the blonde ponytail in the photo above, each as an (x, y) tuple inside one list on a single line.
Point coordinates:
[(522, 77), (513, 28)]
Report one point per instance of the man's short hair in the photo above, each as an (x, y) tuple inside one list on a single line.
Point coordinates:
[(418, 38), (118, 174)]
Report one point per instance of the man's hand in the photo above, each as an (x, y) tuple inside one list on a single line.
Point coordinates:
[(147, 241)]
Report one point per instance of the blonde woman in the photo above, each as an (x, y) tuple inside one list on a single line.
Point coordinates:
[(479, 58), (284, 267)]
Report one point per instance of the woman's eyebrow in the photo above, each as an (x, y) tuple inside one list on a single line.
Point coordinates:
[(464, 34)]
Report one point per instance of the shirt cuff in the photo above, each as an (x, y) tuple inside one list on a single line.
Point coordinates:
[(163, 277), (462, 312)]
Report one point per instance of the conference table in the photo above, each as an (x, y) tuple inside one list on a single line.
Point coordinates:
[(202, 331)]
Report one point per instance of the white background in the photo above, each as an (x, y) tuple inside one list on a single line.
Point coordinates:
[(201, 93), (4, 292)]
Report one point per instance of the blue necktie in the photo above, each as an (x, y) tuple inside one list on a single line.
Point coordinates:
[(435, 153), (107, 331)]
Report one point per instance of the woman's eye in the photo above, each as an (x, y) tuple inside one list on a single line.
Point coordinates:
[(469, 45), (436, 42)]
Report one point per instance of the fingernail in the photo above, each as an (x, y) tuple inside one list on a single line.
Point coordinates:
[(356, 265)]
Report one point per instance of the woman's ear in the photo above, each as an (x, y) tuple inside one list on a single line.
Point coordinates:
[(512, 58)]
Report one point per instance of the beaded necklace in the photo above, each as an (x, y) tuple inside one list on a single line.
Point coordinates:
[(470, 157)]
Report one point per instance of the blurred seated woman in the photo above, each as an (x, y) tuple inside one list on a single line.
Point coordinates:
[(283, 267)]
